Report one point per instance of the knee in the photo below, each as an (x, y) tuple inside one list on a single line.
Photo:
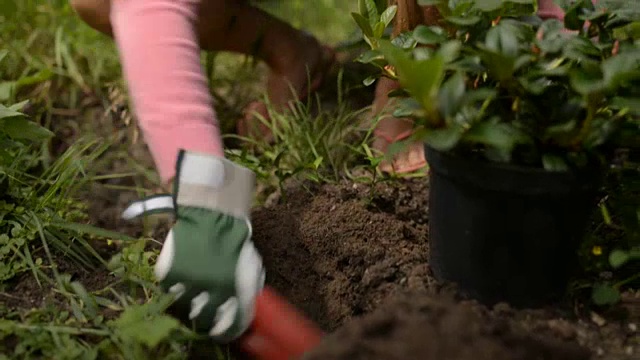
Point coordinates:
[(95, 13)]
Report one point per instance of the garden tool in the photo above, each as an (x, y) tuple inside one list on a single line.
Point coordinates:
[(211, 266), (279, 331)]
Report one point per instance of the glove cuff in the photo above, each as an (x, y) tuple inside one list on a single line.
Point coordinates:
[(213, 183)]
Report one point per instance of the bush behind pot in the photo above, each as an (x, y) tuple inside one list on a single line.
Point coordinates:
[(494, 81)]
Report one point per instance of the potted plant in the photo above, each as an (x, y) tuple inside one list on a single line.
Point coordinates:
[(519, 117)]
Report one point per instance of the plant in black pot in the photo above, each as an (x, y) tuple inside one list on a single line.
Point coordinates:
[(520, 117)]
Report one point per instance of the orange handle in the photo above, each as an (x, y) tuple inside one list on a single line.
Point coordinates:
[(279, 331)]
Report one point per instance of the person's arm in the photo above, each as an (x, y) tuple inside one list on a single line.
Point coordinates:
[(160, 58)]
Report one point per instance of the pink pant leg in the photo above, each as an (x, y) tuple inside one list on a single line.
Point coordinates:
[(548, 9), (160, 57)]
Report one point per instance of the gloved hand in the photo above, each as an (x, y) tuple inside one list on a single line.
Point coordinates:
[(208, 259)]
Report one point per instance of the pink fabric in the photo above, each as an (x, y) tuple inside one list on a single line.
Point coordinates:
[(160, 58), (547, 9)]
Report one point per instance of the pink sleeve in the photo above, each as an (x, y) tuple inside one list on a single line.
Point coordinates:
[(161, 63)]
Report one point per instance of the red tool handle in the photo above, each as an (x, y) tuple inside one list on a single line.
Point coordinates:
[(279, 331)]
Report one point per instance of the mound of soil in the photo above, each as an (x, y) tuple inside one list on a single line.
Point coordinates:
[(336, 254), (354, 259), (420, 327)]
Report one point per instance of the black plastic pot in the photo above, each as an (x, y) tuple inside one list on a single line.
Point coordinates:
[(506, 233)]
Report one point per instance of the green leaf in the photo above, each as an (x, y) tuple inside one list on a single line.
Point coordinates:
[(450, 51), (620, 69), (149, 331), (617, 258), (378, 30), (586, 82), (463, 21), (8, 112), (92, 230), (40, 76), (451, 94), (499, 65), (363, 23), (387, 16), (408, 107), (422, 53), (8, 8), (396, 148), (427, 36), (89, 302), (605, 295), (488, 5), (564, 4), (573, 14), (554, 163), (370, 56), (404, 41), (630, 104), (21, 128), (19, 106), (553, 39), (369, 10), (554, 68), (522, 61), (606, 216), (369, 80), (502, 136), (3, 54), (7, 89), (599, 132), (582, 50), (503, 39), (534, 86), (562, 133), (469, 64), (481, 94), (421, 78), (443, 139)]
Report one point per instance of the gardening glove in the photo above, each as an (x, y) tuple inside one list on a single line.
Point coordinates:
[(208, 260)]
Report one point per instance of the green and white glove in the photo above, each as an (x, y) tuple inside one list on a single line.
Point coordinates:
[(208, 259)]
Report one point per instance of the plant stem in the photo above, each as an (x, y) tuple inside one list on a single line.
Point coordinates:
[(626, 281), (592, 99)]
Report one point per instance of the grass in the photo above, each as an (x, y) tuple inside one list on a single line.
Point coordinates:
[(72, 80), (49, 245)]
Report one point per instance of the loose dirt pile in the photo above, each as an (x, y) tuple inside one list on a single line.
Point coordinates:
[(354, 259), (420, 327)]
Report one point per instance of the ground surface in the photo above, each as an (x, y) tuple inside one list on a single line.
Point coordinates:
[(354, 259), (342, 251)]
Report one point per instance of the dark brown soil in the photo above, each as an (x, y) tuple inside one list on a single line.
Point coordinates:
[(435, 327), (337, 255), (343, 253)]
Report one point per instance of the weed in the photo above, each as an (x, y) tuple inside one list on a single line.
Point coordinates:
[(309, 142)]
